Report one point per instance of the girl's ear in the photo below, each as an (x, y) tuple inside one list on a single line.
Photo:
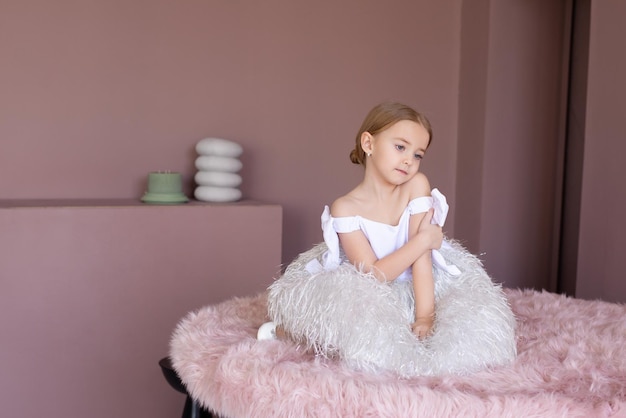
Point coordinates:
[(367, 142)]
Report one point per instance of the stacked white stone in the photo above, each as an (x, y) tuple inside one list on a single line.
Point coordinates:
[(218, 165)]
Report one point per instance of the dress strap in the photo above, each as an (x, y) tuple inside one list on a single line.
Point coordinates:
[(440, 205), (345, 224), (331, 257), (437, 201), (420, 204)]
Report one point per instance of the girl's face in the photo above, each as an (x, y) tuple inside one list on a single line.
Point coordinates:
[(397, 151)]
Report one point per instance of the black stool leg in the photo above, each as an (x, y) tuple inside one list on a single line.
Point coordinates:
[(195, 409), (192, 408)]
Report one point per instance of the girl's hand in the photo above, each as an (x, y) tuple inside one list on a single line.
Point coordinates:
[(431, 233), (422, 327)]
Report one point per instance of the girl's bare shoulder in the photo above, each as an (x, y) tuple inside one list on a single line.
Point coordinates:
[(418, 186), (346, 205)]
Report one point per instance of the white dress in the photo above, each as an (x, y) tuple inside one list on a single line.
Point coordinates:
[(327, 304)]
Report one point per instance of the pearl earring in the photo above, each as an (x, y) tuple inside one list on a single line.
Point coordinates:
[(369, 154)]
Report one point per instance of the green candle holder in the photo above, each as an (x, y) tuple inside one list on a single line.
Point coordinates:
[(165, 188)]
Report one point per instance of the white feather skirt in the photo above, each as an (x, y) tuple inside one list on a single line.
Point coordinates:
[(350, 315)]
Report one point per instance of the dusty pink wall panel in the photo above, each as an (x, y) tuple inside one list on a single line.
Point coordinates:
[(90, 295), (94, 95), (602, 223)]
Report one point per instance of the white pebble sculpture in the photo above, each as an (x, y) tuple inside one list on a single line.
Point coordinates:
[(218, 166)]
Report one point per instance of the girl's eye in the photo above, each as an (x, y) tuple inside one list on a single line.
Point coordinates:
[(418, 157), (400, 147)]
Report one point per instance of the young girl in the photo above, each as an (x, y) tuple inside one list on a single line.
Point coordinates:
[(385, 291)]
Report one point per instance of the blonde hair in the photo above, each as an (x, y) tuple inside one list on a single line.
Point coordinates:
[(380, 118)]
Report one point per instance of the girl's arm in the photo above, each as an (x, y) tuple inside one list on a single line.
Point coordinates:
[(358, 250), (423, 286)]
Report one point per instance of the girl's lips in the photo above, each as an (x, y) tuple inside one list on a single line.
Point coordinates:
[(402, 171)]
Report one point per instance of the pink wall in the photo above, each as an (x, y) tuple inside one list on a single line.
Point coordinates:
[(97, 94), (520, 142), (509, 137), (603, 197)]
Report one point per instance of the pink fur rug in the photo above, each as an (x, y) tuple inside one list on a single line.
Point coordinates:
[(571, 363)]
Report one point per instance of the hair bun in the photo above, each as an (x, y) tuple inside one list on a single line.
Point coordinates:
[(354, 157)]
